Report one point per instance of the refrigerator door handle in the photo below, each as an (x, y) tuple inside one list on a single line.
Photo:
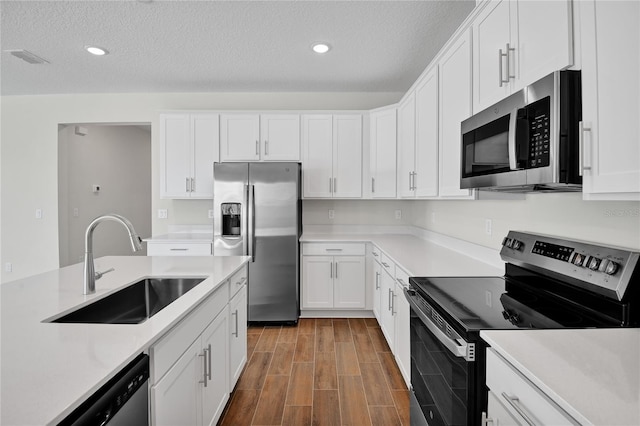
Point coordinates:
[(251, 222)]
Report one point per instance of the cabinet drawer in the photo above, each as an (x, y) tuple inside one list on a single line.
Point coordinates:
[(388, 265), (172, 345), (178, 249), (339, 249), (520, 396), (237, 280), (375, 252), (402, 277)]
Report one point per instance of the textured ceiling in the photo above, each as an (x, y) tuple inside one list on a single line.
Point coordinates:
[(222, 46)]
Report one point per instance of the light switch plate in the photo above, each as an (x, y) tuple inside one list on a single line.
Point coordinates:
[(332, 213), (162, 213)]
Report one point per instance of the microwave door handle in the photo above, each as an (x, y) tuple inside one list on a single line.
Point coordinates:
[(513, 155), (454, 347)]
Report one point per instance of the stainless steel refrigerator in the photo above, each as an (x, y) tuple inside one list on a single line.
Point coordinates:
[(257, 212)]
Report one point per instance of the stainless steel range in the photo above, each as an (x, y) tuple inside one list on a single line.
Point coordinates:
[(548, 283)]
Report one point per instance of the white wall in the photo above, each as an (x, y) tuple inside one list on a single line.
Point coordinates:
[(29, 175), (118, 159)]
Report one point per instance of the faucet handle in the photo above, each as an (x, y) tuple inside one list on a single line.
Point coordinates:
[(100, 274)]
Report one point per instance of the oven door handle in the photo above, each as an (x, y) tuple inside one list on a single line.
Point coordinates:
[(454, 346)]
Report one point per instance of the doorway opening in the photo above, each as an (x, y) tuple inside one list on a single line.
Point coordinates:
[(102, 168)]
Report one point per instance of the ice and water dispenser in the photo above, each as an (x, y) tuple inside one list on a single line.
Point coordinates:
[(231, 219)]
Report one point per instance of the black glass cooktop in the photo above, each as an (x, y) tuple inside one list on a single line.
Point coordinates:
[(472, 304)]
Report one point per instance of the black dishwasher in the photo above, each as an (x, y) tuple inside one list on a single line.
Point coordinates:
[(124, 400)]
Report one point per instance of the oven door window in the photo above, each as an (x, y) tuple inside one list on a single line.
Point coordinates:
[(440, 380), (485, 150)]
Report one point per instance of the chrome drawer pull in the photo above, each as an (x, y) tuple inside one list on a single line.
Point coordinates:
[(514, 402)]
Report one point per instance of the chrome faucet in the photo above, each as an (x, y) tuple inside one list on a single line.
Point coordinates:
[(90, 275)]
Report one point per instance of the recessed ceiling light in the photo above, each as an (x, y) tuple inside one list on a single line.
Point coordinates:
[(95, 50), (320, 47)]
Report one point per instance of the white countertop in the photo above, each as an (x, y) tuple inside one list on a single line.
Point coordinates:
[(47, 369), (594, 375), (417, 256)]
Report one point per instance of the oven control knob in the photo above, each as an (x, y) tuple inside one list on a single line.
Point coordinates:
[(507, 242), (577, 259), (516, 245), (608, 267), (593, 263)]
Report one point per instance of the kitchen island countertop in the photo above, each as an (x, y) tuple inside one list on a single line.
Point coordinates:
[(48, 369)]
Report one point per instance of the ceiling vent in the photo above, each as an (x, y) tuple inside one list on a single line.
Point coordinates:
[(27, 56)]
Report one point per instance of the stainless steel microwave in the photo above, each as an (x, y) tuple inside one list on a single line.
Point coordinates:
[(528, 141)]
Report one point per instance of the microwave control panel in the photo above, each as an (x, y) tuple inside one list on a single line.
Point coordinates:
[(539, 131)]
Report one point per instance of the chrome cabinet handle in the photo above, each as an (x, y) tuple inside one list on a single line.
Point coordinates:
[(385, 265), (187, 189), (410, 177), (235, 333), (584, 155), (514, 402), (242, 281), (501, 80), (336, 274), (335, 184), (331, 270), (509, 50), (266, 147), (330, 186), (178, 249), (373, 184), (374, 254), (193, 184), (257, 147), (389, 304), (209, 352), (393, 302), (206, 374), (401, 282), (377, 280), (333, 249), (485, 419)]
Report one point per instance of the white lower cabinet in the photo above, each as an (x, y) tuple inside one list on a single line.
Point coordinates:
[(194, 391), (178, 249), (377, 289), (195, 365), (402, 350), (514, 400), (238, 335), (333, 281), (387, 315)]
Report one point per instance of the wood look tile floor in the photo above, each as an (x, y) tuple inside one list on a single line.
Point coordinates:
[(321, 372)]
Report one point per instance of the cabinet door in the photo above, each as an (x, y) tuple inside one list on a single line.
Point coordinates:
[(402, 350), (175, 159), (611, 98), (317, 156), (539, 53), (317, 282), (238, 336), (239, 137), (406, 146), (176, 399), (377, 291), (426, 159), (455, 106), (205, 145), (388, 314), (215, 339), (383, 154), (280, 135), (498, 413), (347, 156), (491, 34), (349, 288)]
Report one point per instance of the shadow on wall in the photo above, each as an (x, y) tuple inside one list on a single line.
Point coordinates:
[(102, 168)]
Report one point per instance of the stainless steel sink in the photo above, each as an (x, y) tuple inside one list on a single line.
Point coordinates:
[(133, 304)]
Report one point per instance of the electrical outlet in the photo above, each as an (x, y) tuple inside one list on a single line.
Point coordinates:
[(162, 213), (488, 297), (332, 213), (8, 267), (398, 214), (487, 226), (210, 214), (38, 213)]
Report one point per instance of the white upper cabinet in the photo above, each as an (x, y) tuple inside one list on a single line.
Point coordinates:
[(383, 153), (280, 137), (406, 146), (188, 148), (332, 156), (254, 137), (610, 42), (516, 43), (426, 150), (455, 106)]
